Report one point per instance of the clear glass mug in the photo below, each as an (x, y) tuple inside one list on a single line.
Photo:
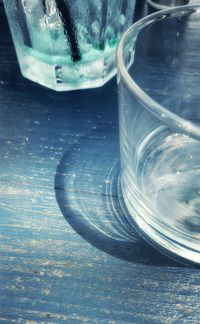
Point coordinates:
[(159, 116), (68, 44)]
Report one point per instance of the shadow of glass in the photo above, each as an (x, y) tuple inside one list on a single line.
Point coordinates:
[(88, 193)]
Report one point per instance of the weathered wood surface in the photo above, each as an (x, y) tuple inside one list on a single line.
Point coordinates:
[(65, 256)]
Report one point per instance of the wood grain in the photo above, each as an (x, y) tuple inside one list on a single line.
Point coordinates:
[(49, 272)]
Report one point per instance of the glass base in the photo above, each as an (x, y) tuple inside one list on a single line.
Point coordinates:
[(157, 235), (69, 77), (164, 199)]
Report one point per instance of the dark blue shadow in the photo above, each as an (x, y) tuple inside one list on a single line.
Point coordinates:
[(88, 194)]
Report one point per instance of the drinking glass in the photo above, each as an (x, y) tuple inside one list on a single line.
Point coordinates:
[(68, 44), (159, 116)]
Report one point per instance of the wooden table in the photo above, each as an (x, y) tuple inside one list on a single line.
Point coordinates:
[(67, 255)]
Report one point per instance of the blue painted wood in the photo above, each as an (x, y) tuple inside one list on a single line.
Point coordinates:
[(69, 252)]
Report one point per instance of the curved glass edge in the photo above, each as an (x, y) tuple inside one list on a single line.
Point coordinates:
[(171, 119), (160, 6)]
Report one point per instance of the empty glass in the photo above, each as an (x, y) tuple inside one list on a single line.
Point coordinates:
[(68, 44), (159, 114)]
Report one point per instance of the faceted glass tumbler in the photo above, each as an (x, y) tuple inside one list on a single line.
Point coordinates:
[(68, 44), (159, 116)]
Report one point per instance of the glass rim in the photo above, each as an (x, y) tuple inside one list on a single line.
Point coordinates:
[(167, 117)]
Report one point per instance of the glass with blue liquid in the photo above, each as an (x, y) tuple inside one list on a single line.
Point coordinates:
[(65, 44)]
